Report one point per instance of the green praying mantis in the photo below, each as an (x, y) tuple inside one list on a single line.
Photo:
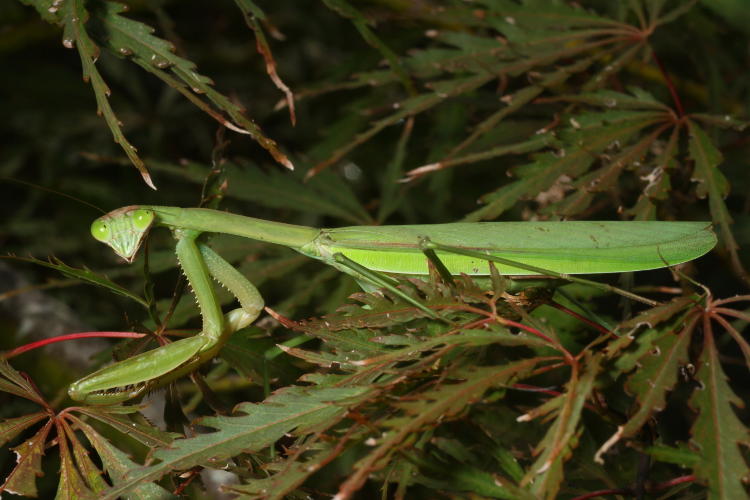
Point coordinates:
[(372, 255)]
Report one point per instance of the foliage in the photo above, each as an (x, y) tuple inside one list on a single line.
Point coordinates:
[(405, 112)]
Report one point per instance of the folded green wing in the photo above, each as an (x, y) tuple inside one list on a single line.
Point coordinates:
[(576, 247)]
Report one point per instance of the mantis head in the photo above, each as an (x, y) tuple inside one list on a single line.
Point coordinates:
[(124, 229)]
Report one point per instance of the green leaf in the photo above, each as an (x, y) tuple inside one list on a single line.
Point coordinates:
[(80, 274), (90, 473), (12, 427), (327, 196), (717, 432), (289, 473), (656, 315), (656, 375), (595, 133), (712, 183), (346, 9), (680, 455), (118, 466), (22, 479), (603, 179), (253, 17), (434, 406), (14, 383), (296, 409), (71, 485), (545, 476), (75, 18), (539, 14), (409, 107), (148, 435), (639, 99), (132, 39), (725, 121), (462, 477)]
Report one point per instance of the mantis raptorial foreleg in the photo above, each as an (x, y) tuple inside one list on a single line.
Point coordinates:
[(153, 369)]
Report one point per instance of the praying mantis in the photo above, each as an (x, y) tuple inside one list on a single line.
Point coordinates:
[(372, 255)]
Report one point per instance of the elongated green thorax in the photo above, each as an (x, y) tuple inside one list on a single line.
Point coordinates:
[(215, 221)]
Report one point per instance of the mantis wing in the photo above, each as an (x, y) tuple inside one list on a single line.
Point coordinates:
[(576, 247)]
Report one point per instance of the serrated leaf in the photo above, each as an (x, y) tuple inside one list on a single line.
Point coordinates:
[(553, 404), (47, 9), (612, 99), (71, 485), (434, 406), (393, 193), (292, 408), (327, 196), (14, 383), (288, 474), (12, 427), (604, 178), (513, 102), (656, 315), (680, 455), (711, 181), (81, 274), (278, 189), (707, 159), (247, 353), (323, 359), (723, 121), (132, 39), (535, 144), (74, 18), (463, 477), (118, 465), (628, 360), (22, 479), (545, 476), (91, 474), (253, 17), (542, 13), (149, 436), (717, 432), (346, 9), (656, 375), (382, 308), (409, 107), (598, 131)]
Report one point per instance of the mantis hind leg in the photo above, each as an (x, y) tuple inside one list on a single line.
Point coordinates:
[(380, 280)]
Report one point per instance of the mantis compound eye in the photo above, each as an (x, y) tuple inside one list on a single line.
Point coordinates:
[(100, 230), (142, 219)]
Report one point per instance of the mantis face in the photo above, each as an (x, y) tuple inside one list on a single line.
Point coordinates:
[(123, 230)]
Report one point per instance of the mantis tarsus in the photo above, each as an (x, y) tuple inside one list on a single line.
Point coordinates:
[(517, 248)]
